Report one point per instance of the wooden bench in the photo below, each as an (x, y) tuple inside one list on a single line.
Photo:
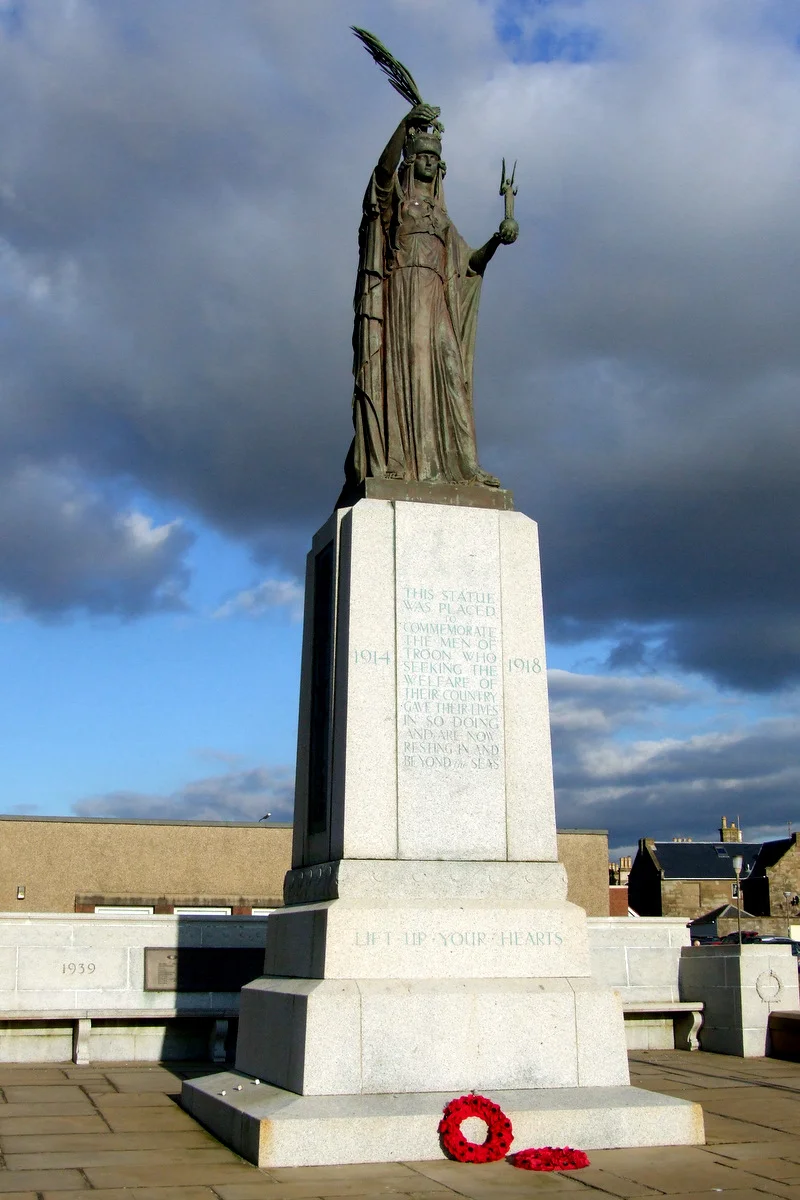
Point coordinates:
[(687, 1018), (82, 1024), (784, 1035)]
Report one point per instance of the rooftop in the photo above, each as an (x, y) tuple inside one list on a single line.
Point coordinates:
[(704, 860)]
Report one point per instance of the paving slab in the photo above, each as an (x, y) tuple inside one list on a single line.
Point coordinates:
[(154, 1079), (29, 1143), (129, 1120), (735, 1194), (143, 1193), (784, 1146), (109, 1099), (138, 1145), (66, 1093), (367, 1174), (118, 1158), (726, 1129), (496, 1179), (156, 1176), (614, 1185), (92, 1122), (32, 1109), (694, 1170), (267, 1189), (30, 1075), (40, 1181), (775, 1168)]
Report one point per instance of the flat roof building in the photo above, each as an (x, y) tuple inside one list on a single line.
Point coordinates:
[(86, 864)]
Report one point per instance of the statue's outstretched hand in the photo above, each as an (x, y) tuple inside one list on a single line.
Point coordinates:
[(423, 114), (508, 231)]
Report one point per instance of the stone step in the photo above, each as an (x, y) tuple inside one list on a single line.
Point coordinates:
[(276, 1128)]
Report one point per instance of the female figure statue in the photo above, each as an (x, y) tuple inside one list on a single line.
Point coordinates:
[(416, 307)]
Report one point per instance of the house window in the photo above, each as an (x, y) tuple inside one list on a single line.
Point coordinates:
[(123, 910), (198, 910)]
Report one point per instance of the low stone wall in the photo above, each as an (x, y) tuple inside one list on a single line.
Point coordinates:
[(639, 957), (58, 970)]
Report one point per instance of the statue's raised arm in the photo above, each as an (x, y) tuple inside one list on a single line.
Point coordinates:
[(416, 307)]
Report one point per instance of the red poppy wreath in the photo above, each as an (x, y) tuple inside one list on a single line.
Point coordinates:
[(549, 1158), (499, 1134)]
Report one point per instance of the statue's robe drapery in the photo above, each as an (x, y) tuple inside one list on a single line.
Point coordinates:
[(416, 309)]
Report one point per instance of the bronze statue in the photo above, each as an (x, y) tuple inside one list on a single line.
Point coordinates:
[(416, 308)]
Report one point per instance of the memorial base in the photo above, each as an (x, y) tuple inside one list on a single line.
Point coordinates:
[(275, 1128), (427, 946)]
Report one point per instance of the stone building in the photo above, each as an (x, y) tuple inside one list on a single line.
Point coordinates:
[(772, 889), (76, 864), (692, 879), (686, 879)]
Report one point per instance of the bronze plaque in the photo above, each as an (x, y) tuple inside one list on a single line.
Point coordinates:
[(200, 968)]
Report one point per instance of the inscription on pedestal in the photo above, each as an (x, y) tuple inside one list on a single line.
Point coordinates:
[(451, 769), (474, 939), (450, 679)]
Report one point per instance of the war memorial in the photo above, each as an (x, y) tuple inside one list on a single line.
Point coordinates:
[(426, 947)]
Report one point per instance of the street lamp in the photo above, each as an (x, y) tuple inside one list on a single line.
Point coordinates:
[(737, 868)]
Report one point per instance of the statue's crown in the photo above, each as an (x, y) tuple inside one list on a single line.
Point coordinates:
[(424, 142)]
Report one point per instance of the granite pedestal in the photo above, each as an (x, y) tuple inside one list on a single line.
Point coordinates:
[(427, 946)]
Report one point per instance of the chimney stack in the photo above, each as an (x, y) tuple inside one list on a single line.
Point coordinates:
[(729, 833)]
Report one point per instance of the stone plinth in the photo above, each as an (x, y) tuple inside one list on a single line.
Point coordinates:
[(427, 947), (740, 986), (277, 1128)]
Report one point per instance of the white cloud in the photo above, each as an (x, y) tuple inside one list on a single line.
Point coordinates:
[(244, 795), (610, 776), (265, 597)]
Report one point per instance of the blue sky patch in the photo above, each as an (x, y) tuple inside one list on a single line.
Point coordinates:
[(546, 31), (11, 17)]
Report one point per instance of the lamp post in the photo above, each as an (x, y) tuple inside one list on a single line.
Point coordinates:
[(737, 868)]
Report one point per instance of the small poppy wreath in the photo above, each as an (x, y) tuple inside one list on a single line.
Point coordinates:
[(549, 1158), (499, 1134)]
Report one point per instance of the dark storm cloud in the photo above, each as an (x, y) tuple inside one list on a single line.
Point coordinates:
[(699, 552), (64, 547), (615, 769), (245, 795), (180, 183)]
